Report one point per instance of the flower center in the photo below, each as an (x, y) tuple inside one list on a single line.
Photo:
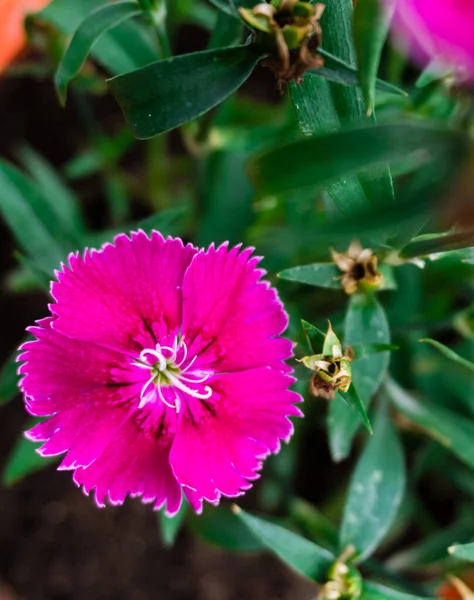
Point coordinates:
[(170, 368)]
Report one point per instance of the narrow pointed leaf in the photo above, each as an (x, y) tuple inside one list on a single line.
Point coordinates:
[(319, 274), (24, 460), (366, 323), (9, 380), (221, 527), (170, 526), (318, 161), (126, 47), (314, 336), (375, 591), (363, 350), (376, 490), (89, 31), (426, 245), (462, 551), (171, 92), (454, 356), (243, 3), (226, 6), (436, 70), (371, 22), (322, 106), (453, 431), (299, 553), (351, 397), (31, 218), (63, 201), (339, 71)]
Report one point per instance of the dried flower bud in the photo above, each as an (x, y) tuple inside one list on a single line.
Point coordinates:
[(332, 368), (359, 266), (295, 34)]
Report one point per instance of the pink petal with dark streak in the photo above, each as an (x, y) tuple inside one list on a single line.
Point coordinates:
[(133, 463), (126, 295), (234, 318), (220, 451)]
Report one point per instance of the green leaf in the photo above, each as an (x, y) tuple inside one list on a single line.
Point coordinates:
[(299, 553), (128, 46), (41, 276), (324, 106), (318, 161), (376, 490), (432, 547), (314, 336), (462, 551), (365, 323), (9, 379), (243, 3), (433, 244), (341, 72), (363, 350), (453, 431), (351, 397), (31, 218), (225, 6), (227, 32), (171, 92), (437, 69), (320, 274), (328, 275), (450, 353), (227, 196), (170, 526), (64, 202), (375, 591), (371, 22), (24, 460), (89, 31), (219, 526)]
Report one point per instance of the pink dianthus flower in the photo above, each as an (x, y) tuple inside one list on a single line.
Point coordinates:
[(161, 370), (438, 29)]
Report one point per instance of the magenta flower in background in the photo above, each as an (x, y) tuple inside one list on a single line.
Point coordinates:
[(161, 371), (440, 29)]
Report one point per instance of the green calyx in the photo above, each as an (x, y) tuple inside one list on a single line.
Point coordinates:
[(344, 583), (332, 368)]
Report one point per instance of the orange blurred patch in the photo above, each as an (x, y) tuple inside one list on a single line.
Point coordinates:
[(457, 588), (12, 34)]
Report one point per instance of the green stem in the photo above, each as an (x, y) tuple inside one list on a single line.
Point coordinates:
[(159, 13)]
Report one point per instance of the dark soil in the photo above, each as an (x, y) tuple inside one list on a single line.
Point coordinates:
[(56, 545)]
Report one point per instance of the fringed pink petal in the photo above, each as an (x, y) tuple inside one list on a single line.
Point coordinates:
[(125, 296), (220, 451), (229, 315), (60, 373), (133, 463)]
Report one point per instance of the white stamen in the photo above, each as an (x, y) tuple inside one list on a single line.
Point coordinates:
[(165, 370), (185, 353), (165, 401), (190, 365), (157, 354), (176, 381), (197, 374)]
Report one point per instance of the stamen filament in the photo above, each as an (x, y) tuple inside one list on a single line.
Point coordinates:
[(184, 388), (166, 372)]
